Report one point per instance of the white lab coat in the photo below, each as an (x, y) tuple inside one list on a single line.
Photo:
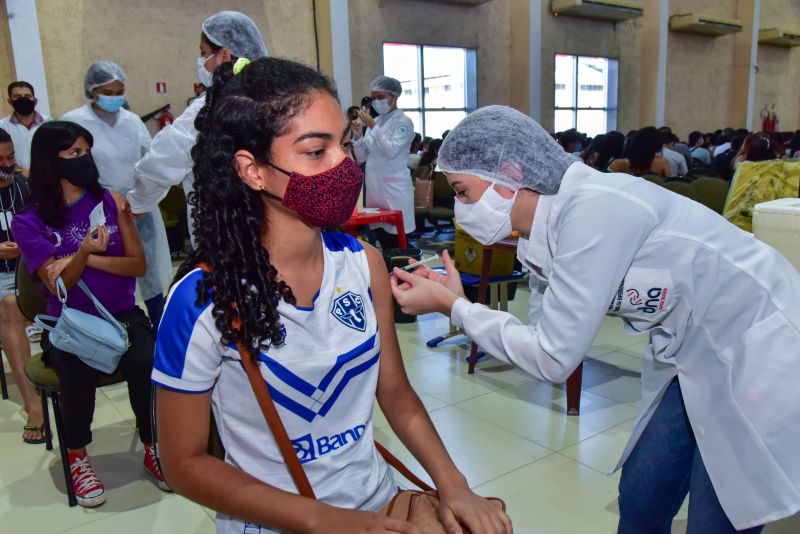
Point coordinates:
[(21, 136), (388, 180), (722, 310), (115, 151), (168, 163)]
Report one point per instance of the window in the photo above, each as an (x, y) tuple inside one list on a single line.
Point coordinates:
[(439, 84), (585, 94)]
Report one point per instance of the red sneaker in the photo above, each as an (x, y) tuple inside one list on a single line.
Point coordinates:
[(89, 491), (151, 465)]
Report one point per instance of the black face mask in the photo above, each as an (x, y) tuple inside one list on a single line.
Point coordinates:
[(7, 172), (77, 171), (23, 106)]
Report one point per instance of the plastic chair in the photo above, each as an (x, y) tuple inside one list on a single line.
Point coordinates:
[(681, 188), (443, 200), (31, 302), (711, 192), (654, 178), (45, 380)]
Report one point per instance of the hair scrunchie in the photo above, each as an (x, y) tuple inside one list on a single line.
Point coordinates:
[(241, 63)]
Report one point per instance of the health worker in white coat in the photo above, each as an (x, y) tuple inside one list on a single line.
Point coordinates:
[(120, 140), (385, 148), (224, 37), (720, 409)]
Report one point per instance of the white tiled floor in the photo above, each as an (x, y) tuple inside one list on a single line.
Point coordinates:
[(508, 433)]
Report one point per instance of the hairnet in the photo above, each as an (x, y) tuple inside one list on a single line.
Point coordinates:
[(101, 73), (386, 85), (237, 32), (498, 143)]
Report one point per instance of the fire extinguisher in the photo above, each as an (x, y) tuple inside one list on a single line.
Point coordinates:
[(766, 125), (165, 118)]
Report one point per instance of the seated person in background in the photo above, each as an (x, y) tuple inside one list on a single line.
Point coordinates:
[(723, 162), (723, 141), (55, 241), (570, 140), (699, 151), (413, 152), (264, 235), (677, 163), (611, 148), (793, 150), (425, 143), (756, 147), (13, 193), (643, 156), (591, 153), (678, 146), (429, 157)]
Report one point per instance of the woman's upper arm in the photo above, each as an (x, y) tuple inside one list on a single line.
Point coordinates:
[(183, 425), (392, 373)]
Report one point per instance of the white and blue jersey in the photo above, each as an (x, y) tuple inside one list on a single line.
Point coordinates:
[(322, 380)]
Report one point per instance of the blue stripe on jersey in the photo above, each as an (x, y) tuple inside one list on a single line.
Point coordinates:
[(349, 375), (181, 314), (286, 376), (344, 358), (337, 242), (295, 382)]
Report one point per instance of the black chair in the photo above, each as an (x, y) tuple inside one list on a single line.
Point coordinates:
[(3, 385), (31, 302)]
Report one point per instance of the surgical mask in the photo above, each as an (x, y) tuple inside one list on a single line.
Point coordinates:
[(78, 171), (7, 172), (112, 104), (489, 219), (381, 107), (324, 199), (206, 78), (23, 106)]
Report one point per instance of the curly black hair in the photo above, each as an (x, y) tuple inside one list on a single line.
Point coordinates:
[(243, 112), (46, 197)]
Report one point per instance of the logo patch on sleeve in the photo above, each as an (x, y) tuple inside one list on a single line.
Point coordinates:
[(349, 310)]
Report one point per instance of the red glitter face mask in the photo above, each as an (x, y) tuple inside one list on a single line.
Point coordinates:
[(324, 199)]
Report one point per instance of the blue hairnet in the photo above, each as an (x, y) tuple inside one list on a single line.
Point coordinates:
[(387, 85), (500, 144), (237, 32), (101, 73)]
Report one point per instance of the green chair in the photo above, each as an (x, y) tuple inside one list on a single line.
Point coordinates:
[(654, 178), (682, 188), (31, 302), (711, 192)]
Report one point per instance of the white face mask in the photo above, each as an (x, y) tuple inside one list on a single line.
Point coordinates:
[(489, 219), (206, 78), (381, 107)]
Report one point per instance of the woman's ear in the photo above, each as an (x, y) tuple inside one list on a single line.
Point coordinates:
[(225, 55), (247, 168)]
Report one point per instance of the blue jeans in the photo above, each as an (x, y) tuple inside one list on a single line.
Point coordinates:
[(664, 466)]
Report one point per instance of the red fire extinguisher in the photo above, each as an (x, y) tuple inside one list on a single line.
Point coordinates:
[(770, 123), (165, 118)]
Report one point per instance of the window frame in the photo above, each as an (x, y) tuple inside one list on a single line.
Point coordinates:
[(470, 80), (613, 92)]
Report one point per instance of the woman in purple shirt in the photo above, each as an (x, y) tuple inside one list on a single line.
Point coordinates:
[(55, 240)]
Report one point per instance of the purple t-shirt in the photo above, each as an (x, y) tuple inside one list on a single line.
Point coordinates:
[(38, 242)]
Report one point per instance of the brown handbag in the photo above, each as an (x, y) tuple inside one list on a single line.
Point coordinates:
[(420, 508)]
